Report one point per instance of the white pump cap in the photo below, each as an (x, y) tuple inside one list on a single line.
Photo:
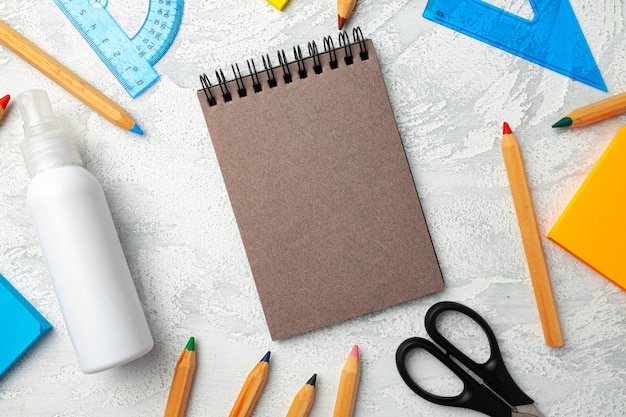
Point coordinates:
[(46, 144)]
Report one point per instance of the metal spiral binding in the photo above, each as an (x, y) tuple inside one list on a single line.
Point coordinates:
[(314, 53), (241, 88), (297, 53), (329, 46), (256, 83), (282, 60), (223, 87), (206, 87), (357, 35), (271, 79), (284, 64), (344, 41)]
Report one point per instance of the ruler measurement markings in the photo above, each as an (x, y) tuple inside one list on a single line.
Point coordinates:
[(131, 66)]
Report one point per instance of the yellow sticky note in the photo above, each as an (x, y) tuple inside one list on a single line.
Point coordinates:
[(279, 4), (593, 225)]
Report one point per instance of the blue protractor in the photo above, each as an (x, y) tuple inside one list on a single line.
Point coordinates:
[(130, 60)]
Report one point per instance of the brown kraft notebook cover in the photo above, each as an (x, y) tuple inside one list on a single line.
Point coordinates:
[(321, 188)]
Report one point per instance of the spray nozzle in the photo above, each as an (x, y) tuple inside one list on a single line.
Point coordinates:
[(45, 145), (37, 112)]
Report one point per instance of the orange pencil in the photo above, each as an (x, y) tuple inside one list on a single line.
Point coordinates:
[(4, 102), (348, 385), (594, 112), (251, 390), (531, 238), (71, 82), (344, 10), (181, 382), (303, 401)]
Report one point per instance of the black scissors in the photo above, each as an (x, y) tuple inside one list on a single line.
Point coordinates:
[(497, 395)]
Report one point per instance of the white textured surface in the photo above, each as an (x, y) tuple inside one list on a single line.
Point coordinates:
[(450, 95)]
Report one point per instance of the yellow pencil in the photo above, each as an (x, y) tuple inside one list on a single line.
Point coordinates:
[(181, 382), (594, 112), (531, 238), (4, 102), (303, 400), (251, 390), (344, 10), (66, 79), (348, 385)]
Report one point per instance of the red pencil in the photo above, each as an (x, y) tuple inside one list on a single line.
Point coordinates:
[(4, 102), (344, 10), (531, 238)]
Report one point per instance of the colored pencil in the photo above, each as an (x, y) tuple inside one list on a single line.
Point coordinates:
[(4, 102), (531, 238), (251, 390), (303, 401), (348, 385), (594, 112), (181, 382), (71, 82), (344, 10)]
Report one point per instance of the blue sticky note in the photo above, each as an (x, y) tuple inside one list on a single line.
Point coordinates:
[(20, 325)]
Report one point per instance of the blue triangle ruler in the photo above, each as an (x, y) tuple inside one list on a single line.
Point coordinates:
[(130, 60), (552, 38)]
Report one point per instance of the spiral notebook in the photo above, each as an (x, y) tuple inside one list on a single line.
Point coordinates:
[(320, 185)]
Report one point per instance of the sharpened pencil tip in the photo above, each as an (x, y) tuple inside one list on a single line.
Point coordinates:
[(564, 122), (191, 344), (136, 129), (4, 101), (506, 129), (312, 380), (266, 358), (355, 351), (340, 22)]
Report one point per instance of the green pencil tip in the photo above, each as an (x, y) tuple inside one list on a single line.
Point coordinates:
[(191, 344), (136, 129), (564, 122)]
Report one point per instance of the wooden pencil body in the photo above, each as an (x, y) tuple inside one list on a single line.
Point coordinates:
[(251, 391), (531, 239), (344, 10), (600, 110), (348, 385), (181, 385), (345, 7), (303, 402), (58, 73)]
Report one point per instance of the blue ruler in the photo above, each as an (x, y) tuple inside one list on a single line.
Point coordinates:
[(552, 38), (130, 60)]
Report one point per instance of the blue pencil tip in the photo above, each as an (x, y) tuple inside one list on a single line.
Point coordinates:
[(136, 129), (266, 358)]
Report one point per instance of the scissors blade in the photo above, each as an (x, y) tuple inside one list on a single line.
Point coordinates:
[(528, 410)]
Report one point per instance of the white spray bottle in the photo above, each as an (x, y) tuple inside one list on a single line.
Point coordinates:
[(79, 242)]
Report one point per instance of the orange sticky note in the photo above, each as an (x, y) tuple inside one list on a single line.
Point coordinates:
[(593, 225)]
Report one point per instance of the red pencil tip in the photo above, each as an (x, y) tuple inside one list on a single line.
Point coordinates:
[(4, 101), (355, 351), (340, 22), (506, 130)]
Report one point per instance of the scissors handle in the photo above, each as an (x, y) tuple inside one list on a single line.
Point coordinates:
[(473, 395), (493, 371)]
